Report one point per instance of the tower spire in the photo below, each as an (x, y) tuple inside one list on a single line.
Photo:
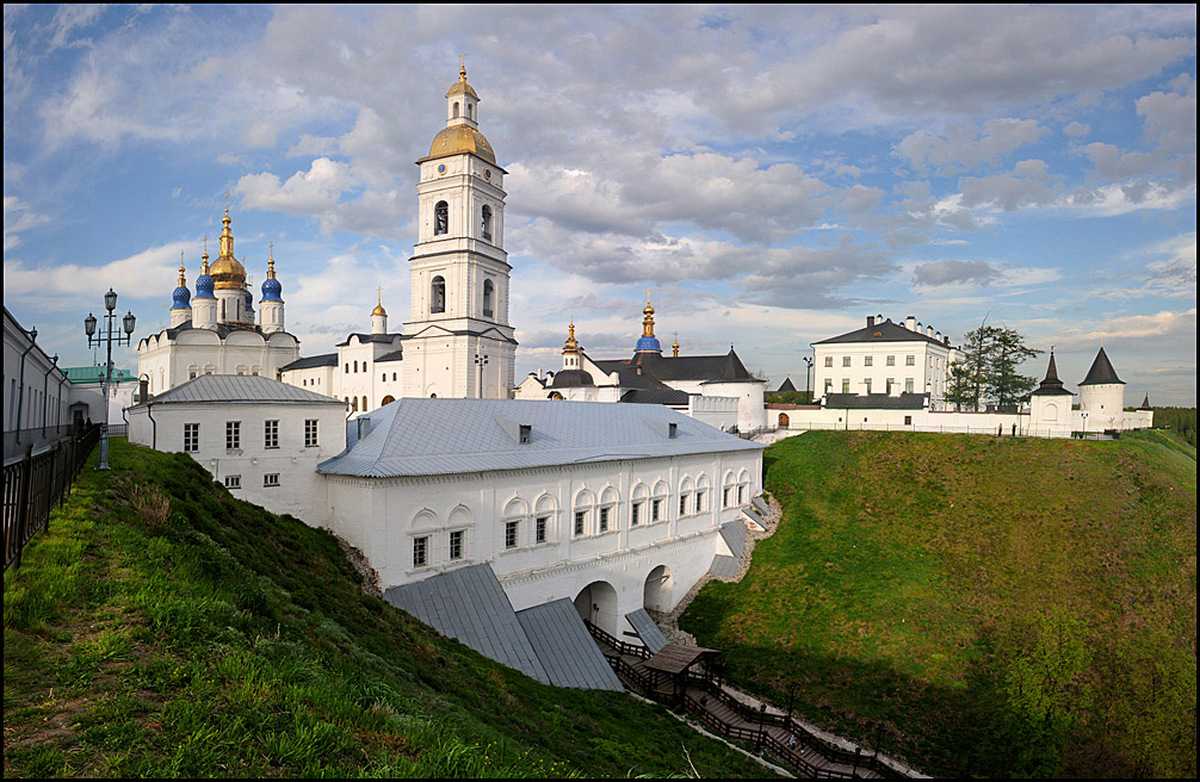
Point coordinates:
[(204, 257), (182, 279), (270, 260)]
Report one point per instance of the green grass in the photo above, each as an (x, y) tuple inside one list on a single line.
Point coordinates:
[(1002, 606), (163, 628)]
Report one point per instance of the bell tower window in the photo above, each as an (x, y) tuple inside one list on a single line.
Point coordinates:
[(488, 297), (441, 218), (437, 295), (454, 110), (487, 222)]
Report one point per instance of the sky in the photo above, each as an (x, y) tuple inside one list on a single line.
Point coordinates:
[(770, 175)]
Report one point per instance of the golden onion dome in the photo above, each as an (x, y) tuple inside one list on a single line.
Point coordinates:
[(457, 139), (379, 310), (228, 272)]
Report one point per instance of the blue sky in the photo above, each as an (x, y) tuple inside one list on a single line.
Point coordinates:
[(771, 174)]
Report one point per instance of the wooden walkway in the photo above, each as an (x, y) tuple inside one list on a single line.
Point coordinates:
[(775, 737)]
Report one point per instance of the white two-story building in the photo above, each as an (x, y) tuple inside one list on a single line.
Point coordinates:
[(886, 358)]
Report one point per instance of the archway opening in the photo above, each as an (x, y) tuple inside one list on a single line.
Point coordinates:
[(387, 400), (597, 603), (657, 594), (783, 421)]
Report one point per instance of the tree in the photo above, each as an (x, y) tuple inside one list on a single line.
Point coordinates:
[(959, 387), (1006, 351), (973, 368)]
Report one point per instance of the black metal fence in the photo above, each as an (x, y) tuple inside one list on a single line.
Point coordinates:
[(35, 483)]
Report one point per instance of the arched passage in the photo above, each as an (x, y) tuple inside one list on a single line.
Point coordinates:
[(597, 603), (783, 421), (657, 593)]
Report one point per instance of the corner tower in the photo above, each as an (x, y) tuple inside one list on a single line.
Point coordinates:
[(459, 272), (1102, 395)]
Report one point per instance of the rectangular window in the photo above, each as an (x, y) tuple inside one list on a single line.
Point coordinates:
[(845, 385), (655, 510), (910, 361), (908, 385), (725, 498), (510, 534), (456, 544), (233, 435), (829, 361), (699, 500), (891, 361), (908, 420), (682, 504), (580, 519), (828, 384), (270, 479), (233, 481), (868, 361), (891, 381), (845, 361), (604, 519), (191, 438), (310, 433), (634, 519), (420, 551), (867, 383), (540, 531), (271, 434)]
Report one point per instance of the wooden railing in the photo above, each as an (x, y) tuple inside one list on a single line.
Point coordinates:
[(34, 484)]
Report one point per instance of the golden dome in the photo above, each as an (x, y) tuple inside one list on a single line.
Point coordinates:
[(227, 273), (379, 310), (457, 139), (462, 87)]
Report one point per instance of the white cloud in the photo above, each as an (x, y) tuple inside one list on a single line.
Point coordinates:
[(1077, 130), (148, 274), (18, 217), (964, 149)]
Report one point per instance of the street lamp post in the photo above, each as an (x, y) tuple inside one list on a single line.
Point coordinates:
[(89, 326), (45, 388), (808, 363), (481, 361)]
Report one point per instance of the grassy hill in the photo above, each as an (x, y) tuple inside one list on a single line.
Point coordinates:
[(163, 628), (1007, 606)]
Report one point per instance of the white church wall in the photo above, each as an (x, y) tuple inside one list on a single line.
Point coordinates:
[(382, 518), (752, 414), (718, 411), (300, 490)]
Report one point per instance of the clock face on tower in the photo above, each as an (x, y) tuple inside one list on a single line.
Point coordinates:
[(441, 168)]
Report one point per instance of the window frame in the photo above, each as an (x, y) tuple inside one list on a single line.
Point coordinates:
[(233, 436), (192, 429), (313, 441), (270, 434)]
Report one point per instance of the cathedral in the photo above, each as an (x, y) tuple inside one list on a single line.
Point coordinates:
[(215, 332)]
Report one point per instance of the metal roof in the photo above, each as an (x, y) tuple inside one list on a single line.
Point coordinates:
[(734, 534), (469, 605), (723, 567), (95, 374), (1102, 372), (565, 648), (883, 332), (905, 401), (240, 388), (721, 368), (323, 360), (647, 630), (448, 436)]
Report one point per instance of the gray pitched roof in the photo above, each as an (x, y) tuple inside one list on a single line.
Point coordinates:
[(881, 332), (240, 388), (572, 378), (1101, 372), (786, 386), (447, 436), (647, 630), (469, 605), (308, 362), (876, 401), (395, 355), (723, 368), (365, 338), (1051, 385), (565, 648)]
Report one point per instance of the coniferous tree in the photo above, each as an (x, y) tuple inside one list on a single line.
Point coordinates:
[(1007, 350), (959, 389)]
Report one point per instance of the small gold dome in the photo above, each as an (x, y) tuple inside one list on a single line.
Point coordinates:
[(457, 139), (462, 87), (379, 310), (228, 273)]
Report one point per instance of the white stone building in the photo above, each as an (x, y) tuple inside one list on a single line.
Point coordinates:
[(613, 506), (215, 333), (885, 358), (260, 438), (715, 389), (458, 341)]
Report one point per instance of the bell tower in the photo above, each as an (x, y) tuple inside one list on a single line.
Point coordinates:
[(458, 339)]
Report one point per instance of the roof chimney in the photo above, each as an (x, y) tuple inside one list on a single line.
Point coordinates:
[(672, 429), (946, 339), (870, 321), (929, 331), (910, 323), (526, 431)]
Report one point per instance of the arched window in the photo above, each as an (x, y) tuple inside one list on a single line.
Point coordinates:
[(545, 521), (454, 110), (607, 514), (387, 400), (515, 515), (470, 113), (658, 503), (701, 503), (637, 505), (355, 366), (582, 512), (685, 495), (437, 295), (486, 228), (743, 490), (441, 218), (488, 296), (728, 486), (365, 408), (354, 404)]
